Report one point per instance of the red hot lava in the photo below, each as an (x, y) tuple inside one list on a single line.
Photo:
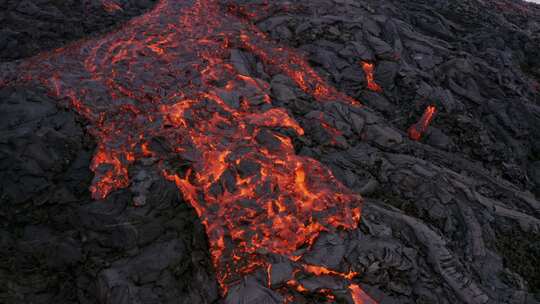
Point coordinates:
[(168, 75), (369, 69), (418, 129)]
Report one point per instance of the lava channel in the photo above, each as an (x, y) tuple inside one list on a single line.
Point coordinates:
[(167, 74)]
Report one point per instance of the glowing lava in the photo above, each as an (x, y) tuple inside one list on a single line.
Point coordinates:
[(418, 129), (168, 75), (369, 69)]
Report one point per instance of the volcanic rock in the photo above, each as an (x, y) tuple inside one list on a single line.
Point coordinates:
[(451, 217)]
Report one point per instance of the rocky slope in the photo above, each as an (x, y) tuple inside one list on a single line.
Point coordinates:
[(28, 27), (451, 218)]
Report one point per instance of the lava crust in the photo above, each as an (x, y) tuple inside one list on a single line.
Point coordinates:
[(230, 151)]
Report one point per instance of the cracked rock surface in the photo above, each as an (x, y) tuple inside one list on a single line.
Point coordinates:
[(29, 26), (452, 218)]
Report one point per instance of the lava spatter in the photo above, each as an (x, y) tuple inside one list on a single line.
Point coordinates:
[(168, 74)]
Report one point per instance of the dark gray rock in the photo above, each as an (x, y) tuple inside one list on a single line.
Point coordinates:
[(453, 218)]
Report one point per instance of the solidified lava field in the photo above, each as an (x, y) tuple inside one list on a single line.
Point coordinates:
[(220, 151)]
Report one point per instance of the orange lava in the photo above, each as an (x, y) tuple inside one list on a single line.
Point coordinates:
[(370, 78), (292, 64), (356, 292), (167, 75), (321, 270), (418, 129)]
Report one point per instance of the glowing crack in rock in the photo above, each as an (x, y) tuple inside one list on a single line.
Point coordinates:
[(168, 75), (418, 129), (369, 70)]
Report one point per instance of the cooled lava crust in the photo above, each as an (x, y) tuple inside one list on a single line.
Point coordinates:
[(272, 147)]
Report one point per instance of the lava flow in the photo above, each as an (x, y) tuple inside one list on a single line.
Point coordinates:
[(167, 75)]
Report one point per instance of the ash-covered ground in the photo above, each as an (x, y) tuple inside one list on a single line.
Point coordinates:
[(451, 218)]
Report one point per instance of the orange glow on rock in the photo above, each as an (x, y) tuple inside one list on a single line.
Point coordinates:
[(418, 129), (321, 270), (110, 6), (299, 287)]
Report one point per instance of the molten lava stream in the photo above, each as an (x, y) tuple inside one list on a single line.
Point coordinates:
[(167, 75)]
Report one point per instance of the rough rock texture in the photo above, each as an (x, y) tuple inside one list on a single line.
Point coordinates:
[(60, 246), (29, 26), (454, 218)]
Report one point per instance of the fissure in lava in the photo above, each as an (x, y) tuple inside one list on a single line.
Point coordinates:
[(167, 74)]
